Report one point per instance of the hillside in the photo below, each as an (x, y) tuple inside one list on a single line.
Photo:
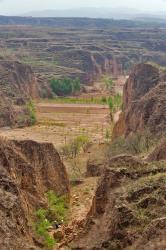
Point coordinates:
[(128, 209), (82, 48), (24, 182), (18, 85), (144, 103)]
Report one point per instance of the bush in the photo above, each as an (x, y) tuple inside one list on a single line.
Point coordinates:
[(57, 207), (107, 135), (66, 86), (74, 148), (115, 103), (31, 112), (80, 142), (42, 226), (56, 211), (109, 83)]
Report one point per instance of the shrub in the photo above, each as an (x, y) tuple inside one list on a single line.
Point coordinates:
[(57, 207), (31, 112), (104, 100), (107, 134), (56, 211), (64, 87), (115, 103), (109, 83), (74, 148), (42, 225), (111, 103)]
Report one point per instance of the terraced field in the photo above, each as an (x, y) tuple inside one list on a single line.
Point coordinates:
[(87, 52), (60, 123)]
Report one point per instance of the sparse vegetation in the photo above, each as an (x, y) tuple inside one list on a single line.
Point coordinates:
[(140, 142), (109, 84), (45, 218), (115, 103), (79, 100), (107, 135), (72, 149)]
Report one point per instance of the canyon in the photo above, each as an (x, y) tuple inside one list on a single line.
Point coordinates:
[(108, 162)]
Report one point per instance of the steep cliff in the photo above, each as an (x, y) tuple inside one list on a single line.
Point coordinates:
[(128, 210), (17, 86), (27, 171), (144, 102)]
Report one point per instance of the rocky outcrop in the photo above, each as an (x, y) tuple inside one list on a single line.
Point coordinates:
[(27, 171), (142, 79), (94, 167), (17, 85), (149, 112), (128, 208), (144, 102), (119, 128)]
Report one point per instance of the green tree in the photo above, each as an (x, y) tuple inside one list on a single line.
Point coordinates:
[(31, 112), (64, 87)]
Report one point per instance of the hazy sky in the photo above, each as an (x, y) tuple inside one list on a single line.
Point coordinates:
[(23, 6)]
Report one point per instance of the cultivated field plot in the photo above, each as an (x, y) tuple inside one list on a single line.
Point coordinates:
[(60, 123)]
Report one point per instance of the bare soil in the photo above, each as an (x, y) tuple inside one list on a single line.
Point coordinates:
[(60, 123)]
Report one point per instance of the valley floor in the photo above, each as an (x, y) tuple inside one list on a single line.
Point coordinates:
[(60, 124)]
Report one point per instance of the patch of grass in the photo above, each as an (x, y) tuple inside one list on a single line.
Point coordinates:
[(51, 123), (42, 225), (56, 211), (57, 207), (79, 100)]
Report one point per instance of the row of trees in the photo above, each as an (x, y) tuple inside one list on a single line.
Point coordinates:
[(66, 86)]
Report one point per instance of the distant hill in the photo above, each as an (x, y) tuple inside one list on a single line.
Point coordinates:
[(85, 12), (118, 13)]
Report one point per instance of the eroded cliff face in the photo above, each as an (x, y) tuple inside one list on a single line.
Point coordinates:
[(141, 80), (17, 85), (159, 153), (144, 102), (128, 210), (89, 65), (27, 171)]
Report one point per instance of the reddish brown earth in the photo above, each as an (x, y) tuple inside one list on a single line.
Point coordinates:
[(128, 210), (61, 123), (28, 170), (129, 207), (144, 102), (17, 85)]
